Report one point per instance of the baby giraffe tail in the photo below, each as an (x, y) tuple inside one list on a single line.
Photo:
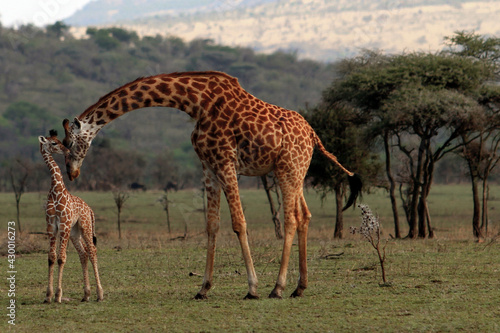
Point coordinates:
[(355, 183), (94, 238)]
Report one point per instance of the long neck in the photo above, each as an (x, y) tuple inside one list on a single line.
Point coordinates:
[(57, 183), (195, 93)]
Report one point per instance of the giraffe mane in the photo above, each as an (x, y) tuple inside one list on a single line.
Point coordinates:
[(232, 79)]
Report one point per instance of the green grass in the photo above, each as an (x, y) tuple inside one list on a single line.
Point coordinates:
[(450, 208), (446, 284)]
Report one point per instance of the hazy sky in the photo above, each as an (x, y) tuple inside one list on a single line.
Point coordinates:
[(38, 12)]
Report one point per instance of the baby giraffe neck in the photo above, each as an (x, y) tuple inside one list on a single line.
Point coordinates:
[(57, 183)]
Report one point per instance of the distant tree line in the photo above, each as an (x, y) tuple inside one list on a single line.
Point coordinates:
[(46, 75)]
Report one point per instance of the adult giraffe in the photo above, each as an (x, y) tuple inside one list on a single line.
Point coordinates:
[(235, 134)]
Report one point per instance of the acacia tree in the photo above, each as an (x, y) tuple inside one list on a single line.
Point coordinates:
[(423, 114), (18, 178), (339, 132), (469, 44), (423, 102), (480, 151), (356, 73), (481, 146), (166, 205), (120, 197)]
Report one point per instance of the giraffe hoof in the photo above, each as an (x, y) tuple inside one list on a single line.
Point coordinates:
[(85, 299), (274, 294), (250, 296), (200, 296), (47, 301), (296, 293)]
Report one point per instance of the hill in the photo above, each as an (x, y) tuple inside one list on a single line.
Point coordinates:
[(323, 30), (110, 11)]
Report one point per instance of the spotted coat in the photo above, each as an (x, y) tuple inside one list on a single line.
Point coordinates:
[(71, 218), (235, 134)]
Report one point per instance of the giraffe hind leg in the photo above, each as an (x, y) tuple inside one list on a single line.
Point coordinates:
[(89, 242), (290, 229), (302, 229), (213, 221), (80, 247), (297, 217)]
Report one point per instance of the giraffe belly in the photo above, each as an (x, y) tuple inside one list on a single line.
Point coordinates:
[(254, 159), (253, 171)]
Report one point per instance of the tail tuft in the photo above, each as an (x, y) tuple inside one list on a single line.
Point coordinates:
[(355, 185), (94, 240)]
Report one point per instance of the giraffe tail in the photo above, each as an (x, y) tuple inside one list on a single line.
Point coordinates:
[(94, 238), (355, 183)]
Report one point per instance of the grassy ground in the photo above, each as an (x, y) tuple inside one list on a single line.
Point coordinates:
[(149, 277)]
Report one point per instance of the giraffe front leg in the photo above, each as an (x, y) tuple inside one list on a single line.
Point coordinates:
[(213, 220), (52, 257), (61, 260), (240, 227), (82, 253)]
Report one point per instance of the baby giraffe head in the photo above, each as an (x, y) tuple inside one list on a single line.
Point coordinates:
[(52, 145)]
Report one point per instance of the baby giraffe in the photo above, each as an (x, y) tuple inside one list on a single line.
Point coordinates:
[(71, 218)]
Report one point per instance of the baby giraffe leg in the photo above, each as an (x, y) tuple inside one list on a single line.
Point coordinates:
[(82, 253), (61, 260), (92, 255), (52, 260)]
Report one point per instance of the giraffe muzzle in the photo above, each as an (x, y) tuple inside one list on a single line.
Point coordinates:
[(72, 175)]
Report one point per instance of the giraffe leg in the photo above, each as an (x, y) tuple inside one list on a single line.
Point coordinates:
[(229, 182), (297, 217), (61, 260), (52, 257), (290, 207), (82, 253), (302, 228), (213, 220), (88, 236), (92, 253)]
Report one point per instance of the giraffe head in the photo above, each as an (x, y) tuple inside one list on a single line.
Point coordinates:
[(52, 145), (78, 139)]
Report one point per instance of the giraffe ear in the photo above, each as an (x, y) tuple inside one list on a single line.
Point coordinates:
[(42, 139), (77, 123), (65, 123)]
